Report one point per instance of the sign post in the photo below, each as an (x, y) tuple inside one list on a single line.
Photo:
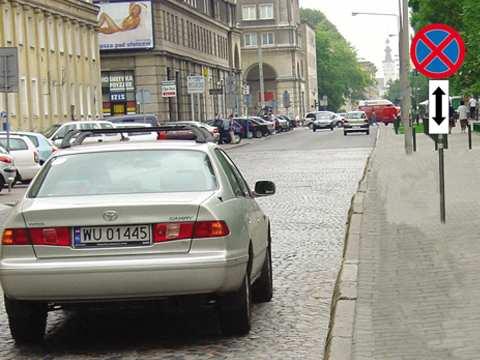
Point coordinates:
[(438, 52), (8, 80), (195, 85)]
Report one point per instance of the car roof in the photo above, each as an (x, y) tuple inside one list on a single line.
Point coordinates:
[(135, 125), (138, 145), (22, 133), (133, 116)]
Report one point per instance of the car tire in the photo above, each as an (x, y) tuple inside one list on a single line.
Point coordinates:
[(263, 288), (27, 320), (310, 126), (332, 128), (2, 183), (258, 134), (345, 133), (236, 310)]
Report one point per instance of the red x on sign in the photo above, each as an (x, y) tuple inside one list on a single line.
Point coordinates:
[(437, 51)]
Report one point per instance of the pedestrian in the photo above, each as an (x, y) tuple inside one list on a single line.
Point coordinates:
[(473, 108), (373, 119), (463, 115)]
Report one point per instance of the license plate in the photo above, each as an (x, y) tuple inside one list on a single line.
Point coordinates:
[(112, 236)]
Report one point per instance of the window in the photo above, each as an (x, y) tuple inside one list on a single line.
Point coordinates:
[(249, 12), (238, 187), (23, 94), (60, 32), (31, 32), (250, 39), (15, 144), (19, 27), (127, 172), (51, 35), (266, 11), (267, 38), (41, 32), (35, 99), (7, 25), (45, 96)]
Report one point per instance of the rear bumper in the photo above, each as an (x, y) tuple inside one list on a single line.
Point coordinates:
[(323, 126), (121, 278), (352, 128)]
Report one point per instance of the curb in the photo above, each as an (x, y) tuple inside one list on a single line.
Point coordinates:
[(338, 345)]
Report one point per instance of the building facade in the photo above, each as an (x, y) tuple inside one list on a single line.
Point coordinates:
[(146, 70), (59, 69), (311, 80), (273, 36)]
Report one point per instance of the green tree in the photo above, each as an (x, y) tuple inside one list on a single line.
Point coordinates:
[(394, 92), (340, 75), (463, 15)]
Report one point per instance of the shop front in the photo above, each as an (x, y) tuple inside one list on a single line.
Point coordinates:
[(118, 91)]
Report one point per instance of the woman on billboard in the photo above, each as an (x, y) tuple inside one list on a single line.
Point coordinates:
[(131, 22)]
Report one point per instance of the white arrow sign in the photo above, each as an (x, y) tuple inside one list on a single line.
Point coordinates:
[(438, 107)]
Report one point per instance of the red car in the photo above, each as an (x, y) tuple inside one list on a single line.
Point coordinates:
[(385, 111)]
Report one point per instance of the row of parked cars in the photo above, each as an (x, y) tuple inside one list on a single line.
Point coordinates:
[(27, 151), (353, 121)]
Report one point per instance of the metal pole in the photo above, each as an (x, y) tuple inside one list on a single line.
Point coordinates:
[(193, 106), (5, 74), (414, 138), (260, 71), (441, 163), (470, 136), (404, 69)]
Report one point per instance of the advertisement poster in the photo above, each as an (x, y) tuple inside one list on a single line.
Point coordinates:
[(125, 25)]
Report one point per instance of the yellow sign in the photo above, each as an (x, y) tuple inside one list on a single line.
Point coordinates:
[(205, 72)]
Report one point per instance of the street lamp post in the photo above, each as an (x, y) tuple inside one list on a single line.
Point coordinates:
[(403, 29)]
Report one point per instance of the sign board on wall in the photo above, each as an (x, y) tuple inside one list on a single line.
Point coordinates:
[(8, 70), (125, 25), (169, 89), (195, 84)]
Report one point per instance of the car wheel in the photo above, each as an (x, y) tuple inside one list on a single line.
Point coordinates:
[(27, 320), (263, 287), (310, 126), (2, 183), (236, 310), (258, 134), (331, 128), (345, 133)]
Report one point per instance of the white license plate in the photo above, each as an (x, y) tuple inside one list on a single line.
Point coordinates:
[(112, 236)]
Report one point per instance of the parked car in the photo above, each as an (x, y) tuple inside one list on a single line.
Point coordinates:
[(340, 119), (136, 136), (291, 123), (270, 124), (57, 132), (139, 118), (356, 121), (385, 111), (214, 132), (44, 146), (323, 120), (315, 115), (150, 220), (25, 156), (281, 124), (8, 171), (256, 128)]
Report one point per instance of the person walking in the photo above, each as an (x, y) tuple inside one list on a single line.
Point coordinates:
[(473, 108), (463, 115), (373, 119)]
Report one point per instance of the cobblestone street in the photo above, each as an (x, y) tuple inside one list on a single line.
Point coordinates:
[(316, 175)]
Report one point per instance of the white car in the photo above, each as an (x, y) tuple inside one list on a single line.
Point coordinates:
[(213, 130), (25, 156), (132, 221), (136, 136), (57, 132)]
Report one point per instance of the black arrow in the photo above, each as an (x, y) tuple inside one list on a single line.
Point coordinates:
[(438, 106)]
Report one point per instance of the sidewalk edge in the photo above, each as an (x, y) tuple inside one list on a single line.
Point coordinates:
[(338, 345)]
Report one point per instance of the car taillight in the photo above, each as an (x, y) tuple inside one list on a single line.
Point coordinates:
[(162, 135), (36, 158), (54, 149), (365, 121), (172, 231), (5, 159), (215, 131), (38, 236), (179, 231)]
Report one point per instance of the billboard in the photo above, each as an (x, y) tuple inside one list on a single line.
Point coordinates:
[(125, 25)]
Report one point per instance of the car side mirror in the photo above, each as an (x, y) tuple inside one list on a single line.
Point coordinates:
[(264, 188)]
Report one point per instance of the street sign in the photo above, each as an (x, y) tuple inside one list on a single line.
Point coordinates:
[(246, 89), (169, 88), (438, 107), (8, 70), (218, 91), (144, 97), (195, 84), (437, 51)]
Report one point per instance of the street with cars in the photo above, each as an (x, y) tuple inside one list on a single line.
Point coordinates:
[(297, 236)]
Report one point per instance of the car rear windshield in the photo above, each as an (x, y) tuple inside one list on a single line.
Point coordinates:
[(34, 140), (15, 144), (355, 116), (125, 172)]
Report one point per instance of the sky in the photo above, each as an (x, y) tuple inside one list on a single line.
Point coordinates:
[(367, 34)]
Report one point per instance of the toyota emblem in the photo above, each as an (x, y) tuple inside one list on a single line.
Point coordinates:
[(110, 215)]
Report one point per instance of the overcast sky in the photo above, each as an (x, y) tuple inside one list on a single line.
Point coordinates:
[(367, 34)]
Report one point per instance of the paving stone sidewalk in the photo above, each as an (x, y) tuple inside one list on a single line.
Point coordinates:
[(419, 281)]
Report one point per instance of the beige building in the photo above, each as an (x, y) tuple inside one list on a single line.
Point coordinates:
[(59, 70), (147, 72), (271, 31)]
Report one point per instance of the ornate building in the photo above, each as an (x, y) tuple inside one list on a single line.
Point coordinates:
[(172, 40), (273, 36), (390, 72), (59, 69)]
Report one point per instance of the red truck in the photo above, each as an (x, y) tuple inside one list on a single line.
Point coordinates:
[(385, 111)]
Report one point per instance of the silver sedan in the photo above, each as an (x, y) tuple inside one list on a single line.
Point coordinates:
[(136, 221)]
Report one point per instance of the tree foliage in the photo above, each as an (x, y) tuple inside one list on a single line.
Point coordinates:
[(463, 15), (340, 75)]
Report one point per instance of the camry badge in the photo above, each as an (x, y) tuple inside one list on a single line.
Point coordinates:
[(110, 215)]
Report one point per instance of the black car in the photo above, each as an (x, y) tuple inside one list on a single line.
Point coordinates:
[(253, 126), (141, 119)]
